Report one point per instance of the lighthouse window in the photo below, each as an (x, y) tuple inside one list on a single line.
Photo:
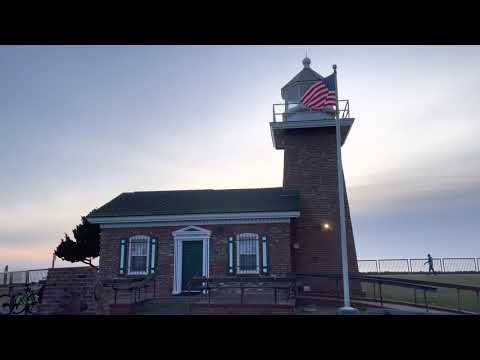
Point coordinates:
[(247, 253)]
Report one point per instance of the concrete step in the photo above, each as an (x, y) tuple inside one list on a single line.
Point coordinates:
[(162, 308), (169, 305)]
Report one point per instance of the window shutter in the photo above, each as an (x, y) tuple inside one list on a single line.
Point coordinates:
[(153, 254), (264, 239), (122, 257), (230, 248)]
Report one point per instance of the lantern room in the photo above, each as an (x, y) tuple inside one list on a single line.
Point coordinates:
[(291, 114)]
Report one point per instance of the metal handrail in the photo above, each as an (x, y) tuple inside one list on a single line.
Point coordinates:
[(437, 284), (344, 109), (425, 286), (133, 286), (374, 280), (210, 283)]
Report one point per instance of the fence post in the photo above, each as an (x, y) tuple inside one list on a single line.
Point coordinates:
[(380, 290), (27, 277), (409, 266), (5, 276), (458, 299), (425, 297), (443, 265), (379, 267), (376, 265), (11, 277)]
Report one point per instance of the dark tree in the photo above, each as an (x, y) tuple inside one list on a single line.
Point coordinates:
[(84, 248)]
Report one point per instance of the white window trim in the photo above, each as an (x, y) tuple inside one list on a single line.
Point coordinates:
[(189, 233), (138, 237), (257, 255)]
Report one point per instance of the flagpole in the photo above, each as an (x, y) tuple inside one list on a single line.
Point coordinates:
[(346, 309)]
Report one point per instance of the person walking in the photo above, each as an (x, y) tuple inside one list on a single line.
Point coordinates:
[(430, 264)]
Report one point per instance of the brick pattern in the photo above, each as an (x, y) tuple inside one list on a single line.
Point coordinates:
[(68, 290), (279, 250), (310, 167)]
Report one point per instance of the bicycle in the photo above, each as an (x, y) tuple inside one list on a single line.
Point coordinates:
[(21, 303)]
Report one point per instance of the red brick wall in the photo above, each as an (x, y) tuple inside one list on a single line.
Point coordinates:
[(279, 250), (66, 289), (310, 167)]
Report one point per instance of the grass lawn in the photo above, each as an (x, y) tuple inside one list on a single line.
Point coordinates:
[(442, 297)]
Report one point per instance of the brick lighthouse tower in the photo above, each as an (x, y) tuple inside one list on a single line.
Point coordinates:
[(308, 139)]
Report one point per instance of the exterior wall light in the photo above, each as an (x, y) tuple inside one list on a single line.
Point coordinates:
[(326, 227)]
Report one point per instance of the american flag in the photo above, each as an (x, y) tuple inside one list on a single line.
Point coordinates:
[(321, 94)]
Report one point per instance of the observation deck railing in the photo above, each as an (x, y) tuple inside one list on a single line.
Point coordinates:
[(280, 114)]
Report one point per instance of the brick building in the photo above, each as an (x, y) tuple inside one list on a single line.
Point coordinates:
[(255, 232)]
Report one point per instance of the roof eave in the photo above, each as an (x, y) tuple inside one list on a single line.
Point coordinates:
[(193, 217)]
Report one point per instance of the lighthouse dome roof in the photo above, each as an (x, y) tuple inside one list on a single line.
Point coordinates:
[(295, 88)]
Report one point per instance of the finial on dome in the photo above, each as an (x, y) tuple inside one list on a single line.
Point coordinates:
[(306, 62)]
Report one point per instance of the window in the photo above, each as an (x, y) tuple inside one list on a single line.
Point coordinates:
[(247, 253), (138, 255)]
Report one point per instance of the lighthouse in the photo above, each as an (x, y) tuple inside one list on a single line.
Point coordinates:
[(308, 140)]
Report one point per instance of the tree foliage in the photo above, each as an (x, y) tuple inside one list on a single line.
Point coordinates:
[(84, 248)]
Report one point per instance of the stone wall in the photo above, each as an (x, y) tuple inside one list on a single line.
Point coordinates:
[(70, 291)]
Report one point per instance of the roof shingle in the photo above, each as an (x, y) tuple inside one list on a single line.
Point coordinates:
[(183, 202)]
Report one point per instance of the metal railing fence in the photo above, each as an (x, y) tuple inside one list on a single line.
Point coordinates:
[(244, 290), (460, 265), (23, 277), (386, 289), (280, 109)]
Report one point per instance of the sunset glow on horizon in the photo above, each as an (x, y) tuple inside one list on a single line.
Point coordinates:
[(82, 124)]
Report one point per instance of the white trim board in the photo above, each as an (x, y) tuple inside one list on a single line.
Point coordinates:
[(194, 219), (185, 223)]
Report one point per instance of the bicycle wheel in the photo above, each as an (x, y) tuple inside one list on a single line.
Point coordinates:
[(19, 304), (4, 305), (33, 304)]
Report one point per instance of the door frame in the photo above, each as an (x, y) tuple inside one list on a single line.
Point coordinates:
[(189, 233)]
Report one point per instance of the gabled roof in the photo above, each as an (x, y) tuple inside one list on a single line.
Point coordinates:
[(185, 202)]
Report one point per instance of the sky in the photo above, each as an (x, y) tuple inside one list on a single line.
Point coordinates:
[(82, 124)]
